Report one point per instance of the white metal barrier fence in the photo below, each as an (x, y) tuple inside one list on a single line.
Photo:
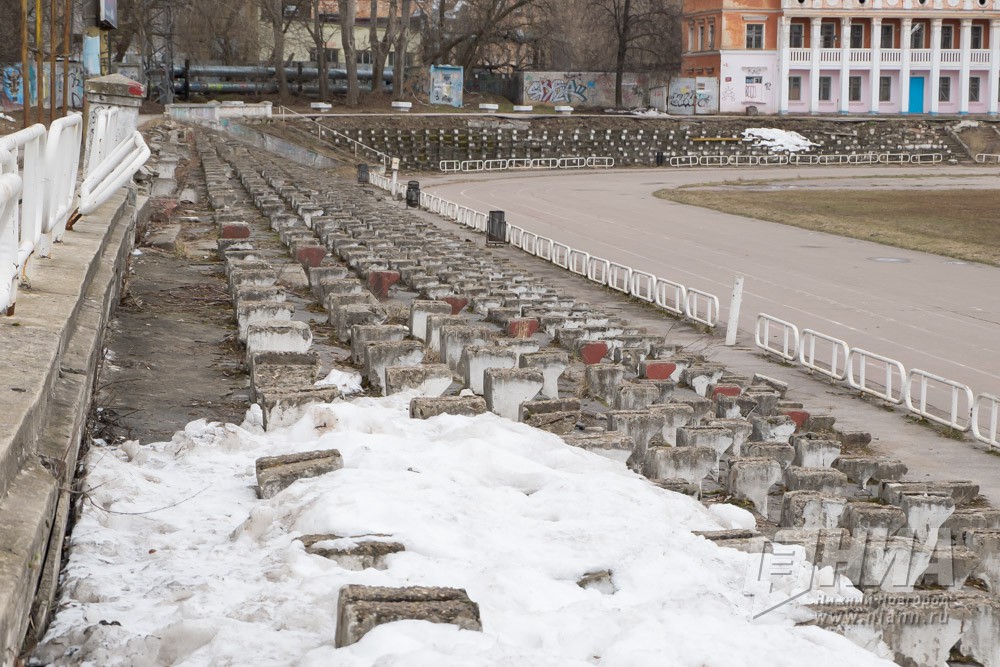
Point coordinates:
[(509, 164), (929, 396), (743, 160), (675, 298), (117, 152)]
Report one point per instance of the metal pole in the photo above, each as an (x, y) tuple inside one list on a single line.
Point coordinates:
[(734, 311), (39, 56), (52, 61), (67, 23), (25, 66)]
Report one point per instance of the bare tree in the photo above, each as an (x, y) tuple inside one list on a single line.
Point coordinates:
[(402, 42), (348, 10), (642, 33), (315, 26), (225, 31), (380, 47), (274, 14)]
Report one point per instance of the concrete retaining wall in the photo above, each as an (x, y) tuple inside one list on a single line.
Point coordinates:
[(50, 351), (422, 143)]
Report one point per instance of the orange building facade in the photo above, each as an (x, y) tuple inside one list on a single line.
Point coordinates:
[(846, 56)]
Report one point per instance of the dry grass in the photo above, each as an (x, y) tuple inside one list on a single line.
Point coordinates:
[(955, 223)]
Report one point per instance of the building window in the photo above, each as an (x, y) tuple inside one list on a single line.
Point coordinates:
[(796, 32), (363, 57), (977, 37), (857, 36), (691, 37), (973, 88), (917, 36), (885, 89), (332, 56), (701, 38), (947, 36), (794, 88), (888, 38), (825, 86), (755, 36), (828, 35), (711, 36), (944, 89), (854, 89)]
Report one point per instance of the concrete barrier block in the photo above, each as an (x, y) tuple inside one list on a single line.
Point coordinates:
[(278, 336), (361, 608), (426, 379), (476, 359), (925, 514), (601, 381), (814, 451), (276, 473), (466, 406), (345, 318), (362, 334), (872, 521), (433, 327), (645, 427), (381, 355), (352, 553), (420, 310), (379, 283), (739, 429), (617, 443), (673, 416), (701, 408), (691, 464), (282, 370), (961, 492), (255, 312), (751, 479), (455, 338), (634, 395), (809, 509), (700, 376), (772, 429), (823, 480), (593, 352), (783, 453), (862, 469), (506, 389), (719, 440)]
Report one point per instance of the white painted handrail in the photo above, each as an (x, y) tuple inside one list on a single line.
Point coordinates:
[(619, 277), (890, 390), (788, 333), (10, 192), (959, 415), (114, 172), (510, 164), (578, 262), (990, 436), (62, 162), (702, 307), (560, 255), (643, 286), (839, 351), (592, 274), (675, 305)]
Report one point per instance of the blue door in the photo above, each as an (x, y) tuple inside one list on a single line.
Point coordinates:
[(916, 94)]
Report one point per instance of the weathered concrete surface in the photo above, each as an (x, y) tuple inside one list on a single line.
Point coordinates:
[(50, 349)]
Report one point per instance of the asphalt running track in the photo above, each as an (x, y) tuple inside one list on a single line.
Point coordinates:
[(926, 311)]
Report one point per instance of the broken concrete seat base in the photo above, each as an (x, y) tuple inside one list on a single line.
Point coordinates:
[(361, 608), (276, 473)]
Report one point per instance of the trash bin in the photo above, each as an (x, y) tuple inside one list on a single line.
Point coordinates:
[(496, 228), (362, 173), (413, 194), (660, 158)]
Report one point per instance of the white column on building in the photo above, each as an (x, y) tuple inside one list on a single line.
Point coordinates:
[(845, 62), (963, 80), (906, 25), (876, 68), (814, 42), (935, 64), (993, 85), (784, 39)]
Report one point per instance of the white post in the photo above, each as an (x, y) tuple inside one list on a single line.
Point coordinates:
[(906, 26), (734, 311), (784, 53), (935, 65), (815, 24), (395, 175), (994, 81), (876, 70), (963, 83), (845, 64)]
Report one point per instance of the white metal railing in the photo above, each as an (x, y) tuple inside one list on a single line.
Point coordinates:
[(506, 164), (837, 355), (702, 307), (62, 160), (323, 130), (22, 232), (788, 333), (619, 277), (671, 296), (578, 262), (959, 414), (592, 273), (10, 193), (560, 255), (116, 154), (643, 286), (990, 435), (891, 389), (778, 159), (987, 157)]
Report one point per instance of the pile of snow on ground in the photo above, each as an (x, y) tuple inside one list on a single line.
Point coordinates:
[(777, 140), (174, 559)]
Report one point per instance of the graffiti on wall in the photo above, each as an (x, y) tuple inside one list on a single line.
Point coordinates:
[(446, 85), (592, 89), (12, 86), (688, 96)]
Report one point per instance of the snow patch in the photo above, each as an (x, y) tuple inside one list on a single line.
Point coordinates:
[(732, 517), (965, 124), (347, 383), (777, 140), (7, 118), (174, 559)]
